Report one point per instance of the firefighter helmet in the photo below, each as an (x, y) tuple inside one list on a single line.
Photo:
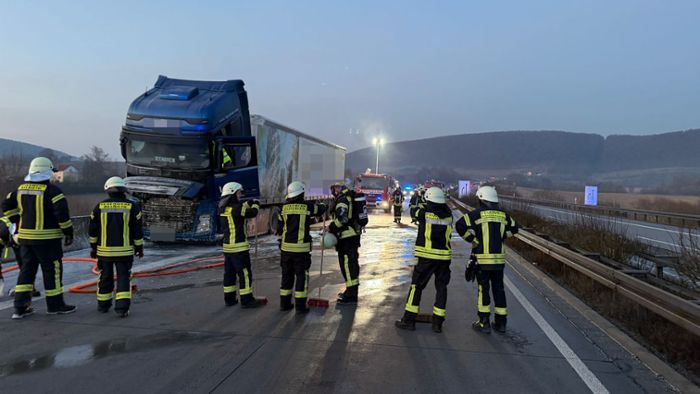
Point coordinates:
[(231, 188), (329, 240), (40, 164), (295, 188), (435, 194), (115, 182), (487, 193)]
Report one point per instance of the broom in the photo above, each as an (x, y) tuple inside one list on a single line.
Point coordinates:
[(319, 302), (262, 300)]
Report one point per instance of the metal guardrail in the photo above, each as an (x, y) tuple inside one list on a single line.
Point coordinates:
[(682, 312), (666, 218)]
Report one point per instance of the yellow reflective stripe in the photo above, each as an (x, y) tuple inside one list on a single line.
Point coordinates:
[(480, 302), (103, 228), (428, 240), (467, 220), (39, 217), (246, 288), (238, 247), (295, 209), (346, 266), (66, 224), (302, 229), (350, 232), (296, 248), (230, 289), (58, 198), (56, 279), (305, 292), (11, 212), (244, 207), (409, 304), (5, 252), (342, 205), (501, 311), (125, 228), (503, 229), (104, 296), (300, 294), (93, 240), (54, 292), (138, 242), (138, 216), (285, 292), (439, 312), (29, 234), (439, 252), (24, 288), (122, 295), (486, 236)]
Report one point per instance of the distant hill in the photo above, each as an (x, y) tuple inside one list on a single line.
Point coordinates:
[(554, 153), (27, 150)]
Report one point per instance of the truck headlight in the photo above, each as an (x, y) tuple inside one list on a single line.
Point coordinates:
[(204, 224), (385, 204)]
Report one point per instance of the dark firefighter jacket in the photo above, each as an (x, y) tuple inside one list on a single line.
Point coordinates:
[(42, 211), (434, 232), (232, 222), (342, 225), (487, 229), (294, 223), (116, 228)]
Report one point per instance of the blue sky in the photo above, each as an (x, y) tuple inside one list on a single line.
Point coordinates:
[(68, 70)]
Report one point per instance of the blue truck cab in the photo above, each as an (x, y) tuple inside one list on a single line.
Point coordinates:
[(182, 141)]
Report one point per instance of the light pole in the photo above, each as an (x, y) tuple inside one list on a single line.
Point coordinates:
[(378, 142)]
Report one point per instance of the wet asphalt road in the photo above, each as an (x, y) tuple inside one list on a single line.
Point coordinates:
[(181, 338)]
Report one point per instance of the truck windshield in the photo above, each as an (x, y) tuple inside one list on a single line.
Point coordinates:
[(160, 154), (373, 183)]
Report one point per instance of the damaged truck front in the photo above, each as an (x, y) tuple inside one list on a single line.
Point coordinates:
[(183, 140), (174, 140)]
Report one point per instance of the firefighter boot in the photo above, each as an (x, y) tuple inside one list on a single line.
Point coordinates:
[(22, 313), (499, 324), (407, 322), (437, 323), (103, 306), (249, 302), (286, 303), (230, 299), (482, 325)]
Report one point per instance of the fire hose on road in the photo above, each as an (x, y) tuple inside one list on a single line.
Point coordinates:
[(168, 270)]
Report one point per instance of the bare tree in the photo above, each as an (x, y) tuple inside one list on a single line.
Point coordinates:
[(95, 165), (688, 265)]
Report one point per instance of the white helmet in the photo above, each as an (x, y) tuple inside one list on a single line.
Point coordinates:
[(230, 189), (40, 164), (329, 240), (114, 182), (295, 188), (435, 194), (487, 193)]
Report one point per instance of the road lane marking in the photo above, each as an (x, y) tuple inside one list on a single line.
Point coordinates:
[(656, 241), (581, 369)]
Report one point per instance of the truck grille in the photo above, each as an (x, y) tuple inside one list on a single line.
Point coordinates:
[(174, 213)]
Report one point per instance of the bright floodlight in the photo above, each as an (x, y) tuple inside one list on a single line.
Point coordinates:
[(375, 141), (381, 141)]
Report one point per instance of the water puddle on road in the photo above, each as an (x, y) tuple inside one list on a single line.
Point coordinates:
[(83, 354)]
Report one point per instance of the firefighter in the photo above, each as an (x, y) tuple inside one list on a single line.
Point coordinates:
[(294, 223), (345, 228), (116, 235), (487, 227), (413, 204), (233, 215), (9, 239), (44, 221), (434, 254), (397, 198)]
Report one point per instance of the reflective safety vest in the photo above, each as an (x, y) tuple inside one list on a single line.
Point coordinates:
[(232, 221), (295, 225), (434, 233), (487, 229), (42, 210), (342, 225), (116, 227), (398, 199)]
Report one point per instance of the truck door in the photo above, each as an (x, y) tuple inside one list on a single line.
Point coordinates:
[(237, 161)]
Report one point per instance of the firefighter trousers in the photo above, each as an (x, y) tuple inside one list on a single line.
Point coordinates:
[(491, 279), (47, 255), (422, 273), (348, 258), (237, 268), (295, 278), (105, 284), (397, 211)]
